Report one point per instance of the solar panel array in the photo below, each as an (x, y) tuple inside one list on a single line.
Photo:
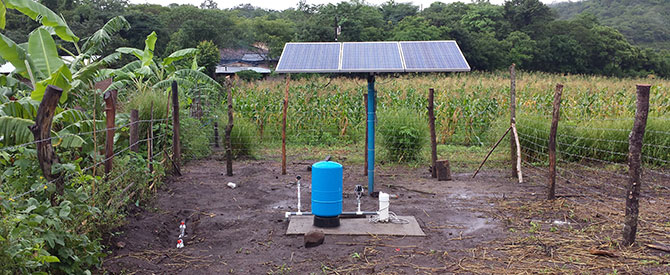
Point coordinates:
[(349, 57)]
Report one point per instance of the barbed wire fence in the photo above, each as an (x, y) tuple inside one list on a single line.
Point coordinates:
[(594, 170), (119, 180)]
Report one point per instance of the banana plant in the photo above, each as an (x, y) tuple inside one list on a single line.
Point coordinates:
[(39, 60), (146, 73)]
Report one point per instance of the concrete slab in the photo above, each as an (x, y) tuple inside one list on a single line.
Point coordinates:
[(299, 225)]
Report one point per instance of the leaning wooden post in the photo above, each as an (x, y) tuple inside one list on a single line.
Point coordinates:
[(216, 134), (365, 152), (229, 130), (512, 109), (635, 164), (176, 146), (551, 194), (283, 127), (110, 113), (134, 130), (42, 134), (433, 138)]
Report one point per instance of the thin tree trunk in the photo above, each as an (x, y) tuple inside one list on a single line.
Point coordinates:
[(512, 109), (551, 194), (635, 165), (110, 112), (229, 130), (42, 134), (433, 137), (283, 127)]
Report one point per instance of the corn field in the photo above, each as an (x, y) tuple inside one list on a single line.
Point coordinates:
[(470, 107)]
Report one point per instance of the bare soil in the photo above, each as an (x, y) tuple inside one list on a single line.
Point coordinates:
[(490, 224)]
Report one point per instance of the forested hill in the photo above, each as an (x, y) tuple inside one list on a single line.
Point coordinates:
[(525, 32), (642, 22)]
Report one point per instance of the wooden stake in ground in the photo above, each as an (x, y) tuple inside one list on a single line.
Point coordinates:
[(216, 134), (176, 146), (134, 130), (229, 130), (283, 127), (42, 134), (551, 194), (365, 150), (433, 138), (110, 112), (491, 151), (635, 164), (512, 109), (518, 153), (150, 139)]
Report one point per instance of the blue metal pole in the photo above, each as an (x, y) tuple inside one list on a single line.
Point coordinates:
[(372, 106)]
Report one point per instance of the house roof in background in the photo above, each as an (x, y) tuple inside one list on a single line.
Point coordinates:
[(232, 70), (6, 68)]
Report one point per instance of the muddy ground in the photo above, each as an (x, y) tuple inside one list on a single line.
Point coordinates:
[(472, 225)]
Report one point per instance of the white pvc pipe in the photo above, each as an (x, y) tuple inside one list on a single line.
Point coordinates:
[(299, 197)]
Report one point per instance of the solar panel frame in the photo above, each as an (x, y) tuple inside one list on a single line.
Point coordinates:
[(343, 67), (309, 70), (394, 56), (466, 68)]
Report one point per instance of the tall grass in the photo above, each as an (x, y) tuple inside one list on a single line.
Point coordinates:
[(403, 134), (600, 140)]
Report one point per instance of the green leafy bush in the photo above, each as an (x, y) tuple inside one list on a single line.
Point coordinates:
[(195, 137), (35, 236), (403, 133), (244, 136), (142, 102), (249, 75)]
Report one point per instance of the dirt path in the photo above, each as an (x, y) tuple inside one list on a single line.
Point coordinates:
[(241, 230)]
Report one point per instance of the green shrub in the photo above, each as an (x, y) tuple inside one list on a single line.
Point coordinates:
[(195, 137), (404, 133), (244, 136), (142, 102), (249, 75)]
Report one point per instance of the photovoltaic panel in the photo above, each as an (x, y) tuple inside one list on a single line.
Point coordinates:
[(352, 57), (433, 56), (371, 57), (310, 58)]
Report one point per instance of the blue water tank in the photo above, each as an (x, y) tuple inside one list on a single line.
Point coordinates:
[(326, 189)]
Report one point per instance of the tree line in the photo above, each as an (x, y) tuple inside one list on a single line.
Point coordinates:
[(525, 32)]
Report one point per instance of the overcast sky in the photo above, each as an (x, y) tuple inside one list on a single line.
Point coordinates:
[(285, 4)]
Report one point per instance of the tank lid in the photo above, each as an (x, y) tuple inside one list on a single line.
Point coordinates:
[(326, 165)]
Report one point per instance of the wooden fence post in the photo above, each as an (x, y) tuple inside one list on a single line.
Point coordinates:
[(635, 164), (512, 109), (134, 130), (42, 133), (216, 134), (150, 139), (110, 117), (551, 194), (229, 130), (365, 150), (283, 127), (176, 146), (433, 138)]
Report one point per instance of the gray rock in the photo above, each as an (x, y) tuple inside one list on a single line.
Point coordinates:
[(314, 238)]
